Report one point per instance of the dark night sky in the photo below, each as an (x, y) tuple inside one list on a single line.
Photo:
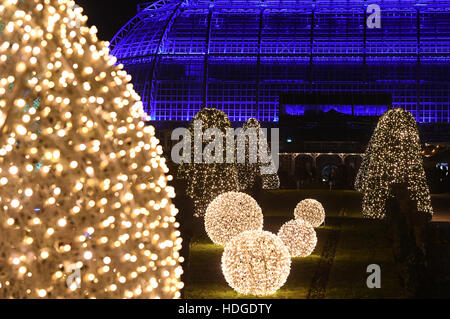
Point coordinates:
[(108, 16)]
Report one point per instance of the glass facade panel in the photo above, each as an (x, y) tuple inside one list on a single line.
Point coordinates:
[(240, 56)]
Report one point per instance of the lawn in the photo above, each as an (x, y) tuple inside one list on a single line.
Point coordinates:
[(361, 242)]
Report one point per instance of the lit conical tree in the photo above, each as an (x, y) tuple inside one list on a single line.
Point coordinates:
[(394, 157), (208, 179), (250, 170), (85, 210)]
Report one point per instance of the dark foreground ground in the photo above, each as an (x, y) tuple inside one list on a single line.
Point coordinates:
[(347, 244)]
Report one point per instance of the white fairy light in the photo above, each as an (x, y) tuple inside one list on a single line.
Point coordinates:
[(230, 214), (311, 211), (299, 237), (256, 263)]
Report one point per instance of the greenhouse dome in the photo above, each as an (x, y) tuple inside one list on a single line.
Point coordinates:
[(243, 56)]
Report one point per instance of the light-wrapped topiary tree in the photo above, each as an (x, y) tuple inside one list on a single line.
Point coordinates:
[(207, 180), (251, 169), (394, 157), (85, 210)]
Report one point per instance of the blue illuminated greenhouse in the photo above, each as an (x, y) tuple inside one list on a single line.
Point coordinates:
[(241, 56)]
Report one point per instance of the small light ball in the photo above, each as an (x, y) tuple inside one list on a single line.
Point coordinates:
[(230, 214), (299, 237), (256, 263), (271, 181), (311, 211)]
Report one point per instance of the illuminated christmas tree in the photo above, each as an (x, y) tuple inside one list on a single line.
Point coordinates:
[(212, 174), (394, 157), (85, 210)]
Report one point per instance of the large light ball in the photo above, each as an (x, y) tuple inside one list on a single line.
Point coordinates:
[(256, 263), (230, 214), (311, 211), (299, 237)]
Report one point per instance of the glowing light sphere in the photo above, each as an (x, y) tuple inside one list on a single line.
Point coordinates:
[(256, 263), (299, 237), (311, 211), (230, 214)]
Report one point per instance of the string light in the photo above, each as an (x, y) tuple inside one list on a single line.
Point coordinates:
[(393, 156), (80, 174), (299, 237), (256, 263), (311, 211), (230, 214)]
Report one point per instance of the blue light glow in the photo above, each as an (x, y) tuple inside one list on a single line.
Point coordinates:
[(364, 110), (240, 55)]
